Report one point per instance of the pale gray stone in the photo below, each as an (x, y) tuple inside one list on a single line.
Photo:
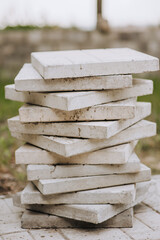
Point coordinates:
[(111, 111), (63, 185), (150, 218), (69, 101), (10, 228), (18, 236), (140, 231), (13, 208), (92, 213), (97, 129), (73, 146), (141, 208), (64, 64), (28, 79), (10, 218), (4, 207), (153, 202), (36, 172), (28, 154), (44, 234), (97, 234), (113, 195), (31, 220)]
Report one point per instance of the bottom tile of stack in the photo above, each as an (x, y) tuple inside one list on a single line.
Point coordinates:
[(31, 219), (92, 213)]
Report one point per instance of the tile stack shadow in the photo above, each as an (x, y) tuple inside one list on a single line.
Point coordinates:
[(81, 122)]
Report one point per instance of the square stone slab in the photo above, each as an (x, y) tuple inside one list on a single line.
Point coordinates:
[(28, 79), (110, 111), (96, 129), (37, 172), (90, 213), (80, 63), (28, 154), (63, 185), (31, 220), (68, 147), (113, 195), (69, 101)]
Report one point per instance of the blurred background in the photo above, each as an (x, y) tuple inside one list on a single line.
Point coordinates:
[(27, 26)]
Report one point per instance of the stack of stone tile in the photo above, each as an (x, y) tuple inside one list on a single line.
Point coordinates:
[(81, 122)]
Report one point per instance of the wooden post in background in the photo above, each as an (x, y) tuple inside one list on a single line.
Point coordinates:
[(102, 24), (99, 8)]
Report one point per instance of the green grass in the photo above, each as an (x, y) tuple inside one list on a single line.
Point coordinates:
[(27, 28), (8, 145), (155, 100), (149, 148)]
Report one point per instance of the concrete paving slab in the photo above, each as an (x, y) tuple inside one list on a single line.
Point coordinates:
[(18, 236), (140, 231), (120, 154), (102, 234), (63, 185), (69, 101), (28, 79), (92, 213), (13, 209), (113, 195), (96, 129), (4, 209), (68, 147), (140, 208), (43, 234), (80, 63), (37, 172), (10, 228), (110, 111), (31, 220), (150, 218), (10, 218)]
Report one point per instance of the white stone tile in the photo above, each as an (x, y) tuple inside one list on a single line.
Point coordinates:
[(68, 147), (28, 154), (63, 185), (69, 101), (31, 220), (9, 202), (150, 218), (97, 129), (4, 207), (93, 234), (10, 228), (92, 213), (36, 172), (113, 195), (64, 64), (28, 79), (46, 234), (141, 232), (153, 202), (140, 208), (10, 218), (18, 236), (110, 111)]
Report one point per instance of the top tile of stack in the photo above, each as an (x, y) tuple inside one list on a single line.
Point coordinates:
[(97, 62)]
